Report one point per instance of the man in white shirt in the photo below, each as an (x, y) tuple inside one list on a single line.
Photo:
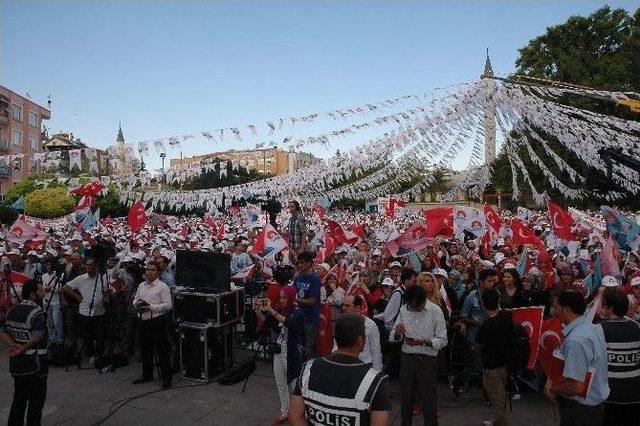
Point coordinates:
[(371, 352), (153, 302), (421, 325), (88, 290)]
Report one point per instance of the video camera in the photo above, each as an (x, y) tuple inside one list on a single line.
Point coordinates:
[(101, 251)]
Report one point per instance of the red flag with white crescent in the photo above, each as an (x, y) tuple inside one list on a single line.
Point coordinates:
[(550, 339), (439, 221), (268, 243), (137, 216), (492, 218), (523, 234), (561, 222), (531, 320)]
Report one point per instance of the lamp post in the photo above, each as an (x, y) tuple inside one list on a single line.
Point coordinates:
[(162, 157)]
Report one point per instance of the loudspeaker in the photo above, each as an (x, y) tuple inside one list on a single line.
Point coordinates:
[(203, 270)]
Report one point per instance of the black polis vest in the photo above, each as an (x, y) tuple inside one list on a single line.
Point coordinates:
[(19, 322), (623, 357)]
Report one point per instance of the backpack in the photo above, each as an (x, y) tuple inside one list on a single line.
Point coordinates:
[(520, 349)]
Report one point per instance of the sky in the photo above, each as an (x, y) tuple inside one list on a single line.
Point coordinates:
[(168, 68)]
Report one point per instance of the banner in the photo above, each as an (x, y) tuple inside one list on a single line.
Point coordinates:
[(415, 237)]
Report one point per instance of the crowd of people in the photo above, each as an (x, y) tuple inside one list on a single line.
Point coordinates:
[(440, 310)]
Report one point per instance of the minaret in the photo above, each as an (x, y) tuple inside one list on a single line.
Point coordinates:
[(122, 162), (489, 114)]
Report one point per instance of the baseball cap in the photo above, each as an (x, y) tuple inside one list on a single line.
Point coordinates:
[(395, 264), (388, 282), (440, 271), (609, 281), (509, 266)]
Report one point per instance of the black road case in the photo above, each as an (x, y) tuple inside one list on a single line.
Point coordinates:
[(214, 309), (205, 350)]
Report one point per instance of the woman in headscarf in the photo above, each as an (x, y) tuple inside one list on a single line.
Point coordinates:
[(286, 321)]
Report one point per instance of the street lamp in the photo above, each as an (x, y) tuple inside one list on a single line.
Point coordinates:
[(162, 157)]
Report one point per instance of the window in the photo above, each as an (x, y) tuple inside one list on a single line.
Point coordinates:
[(33, 142), (16, 112), (33, 119), (16, 138), (17, 164)]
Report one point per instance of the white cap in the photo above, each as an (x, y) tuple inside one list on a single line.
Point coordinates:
[(388, 281), (635, 281), (394, 264), (609, 281), (324, 266), (488, 263), (440, 271), (584, 255), (32, 253), (508, 266), (14, 252), (377, 252)]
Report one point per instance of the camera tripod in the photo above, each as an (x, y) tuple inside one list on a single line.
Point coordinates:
[(55, 283)]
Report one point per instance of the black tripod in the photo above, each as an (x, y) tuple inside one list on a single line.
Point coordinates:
[(55, 284)]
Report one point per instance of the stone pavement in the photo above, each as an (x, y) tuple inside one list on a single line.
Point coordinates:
[(84, 397)]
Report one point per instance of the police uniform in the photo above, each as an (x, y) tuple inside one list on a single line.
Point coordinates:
[(29, 369), (340, 390), (623, 352)]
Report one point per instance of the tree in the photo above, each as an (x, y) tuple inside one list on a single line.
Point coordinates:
[(49, 203), (110, 204), (600, 51)]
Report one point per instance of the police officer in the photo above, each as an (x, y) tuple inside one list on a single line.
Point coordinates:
[(25, 331), (340, 389)]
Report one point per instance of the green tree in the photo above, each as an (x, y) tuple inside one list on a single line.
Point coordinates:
[(49, 203), (110, 205), (600, 51)]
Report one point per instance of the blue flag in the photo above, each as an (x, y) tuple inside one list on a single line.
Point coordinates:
[(415, 261), (521, 267), (324, 203), (624, 230), (89, 221), (594, 279), (18, 204)]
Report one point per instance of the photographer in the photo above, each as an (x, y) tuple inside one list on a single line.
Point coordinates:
[(87, 291), (286, 321), (153, 303)]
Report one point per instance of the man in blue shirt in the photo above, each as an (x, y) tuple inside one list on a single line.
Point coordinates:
[(584, 351), (308, 285)]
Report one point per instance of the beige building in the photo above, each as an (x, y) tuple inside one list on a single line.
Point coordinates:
[(21, 135), (274, 161)]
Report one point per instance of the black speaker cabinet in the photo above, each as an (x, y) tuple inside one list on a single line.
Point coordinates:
[(205, 351), (213, 309)]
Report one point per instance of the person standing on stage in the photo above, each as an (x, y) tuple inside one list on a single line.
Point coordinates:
[(153, 303), (25, 331)]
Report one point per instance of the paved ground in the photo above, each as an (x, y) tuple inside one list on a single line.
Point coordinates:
[(83, 397)]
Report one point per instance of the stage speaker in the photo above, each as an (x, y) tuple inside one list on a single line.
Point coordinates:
[(203, 271)]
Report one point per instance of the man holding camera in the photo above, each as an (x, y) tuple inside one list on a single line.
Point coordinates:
[(153, 303)]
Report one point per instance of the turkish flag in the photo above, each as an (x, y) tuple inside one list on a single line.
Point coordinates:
[(493, 220), (550, 338), (485, 247), (391, 206), (523, 234), (209, 221), (324, 343), (137, 216), (439, 221), (340, 236), (220, 230), (85, 202), (531, 319), (358, 229), (561, 221)]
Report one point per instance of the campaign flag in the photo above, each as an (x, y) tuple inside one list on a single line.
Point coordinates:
[(253, 214), (521, 266), (18, 204), (561, 222), (268, 243), (339, 234), (386, 232), (524, 214), (137, 216), (415, 237), (531, 320), (588, 377), (248, 272), (210, 222), (89, 221), (625, 230), (551, 338), (21, 232), (468, 219), (416, 264), (609, 260), (593, 280), (523, 234), (493, 220), (439, 221)]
